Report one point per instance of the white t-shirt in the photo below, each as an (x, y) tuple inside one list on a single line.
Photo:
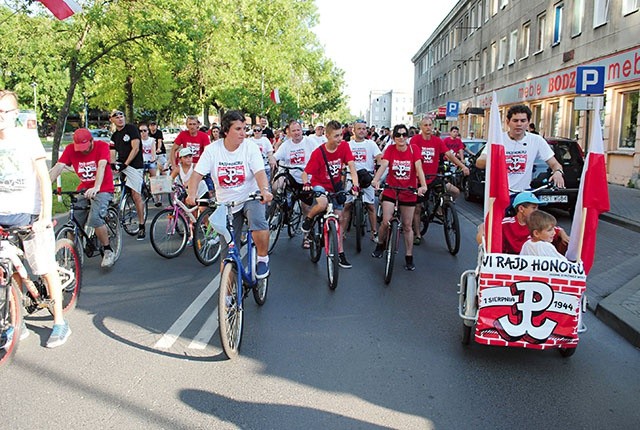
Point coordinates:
[(318, 140), (233, 172), (295, 155), (364, 153), (541, 249), (19, 187), (521, 156), (148, 149), (184, 180), (265, 148)]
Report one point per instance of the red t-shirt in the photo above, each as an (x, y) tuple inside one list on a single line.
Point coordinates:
[(402, 171), (515, 235), (86, 165), (317, 168), (431, 150), (454, 145), (197, 143)]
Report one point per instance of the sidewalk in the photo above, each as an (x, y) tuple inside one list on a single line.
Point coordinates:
[(621, 309)]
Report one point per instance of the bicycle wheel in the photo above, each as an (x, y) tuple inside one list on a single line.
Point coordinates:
[(129, 215), (392, 249), (315, 237), (358, 221), (169, 233), (67, 232), (10, 318), (230, 313), (274, 218), (70, 271), (426, 214), (333, 268), (451, 227), (115, 232), (206, 241), (294, 218)]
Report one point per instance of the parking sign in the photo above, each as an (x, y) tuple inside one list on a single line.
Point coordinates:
[(452, 110), (590, 80)]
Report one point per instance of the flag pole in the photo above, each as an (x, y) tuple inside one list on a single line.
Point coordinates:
[(581, 237), (489, 228)]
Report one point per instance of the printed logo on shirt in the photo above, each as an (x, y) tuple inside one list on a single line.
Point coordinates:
[(297, 157), (231, 176), (428, 155), (401, 169), (360, 154), (516, 162), (195, 147), (126, 138), (334, 167), (87, 171)]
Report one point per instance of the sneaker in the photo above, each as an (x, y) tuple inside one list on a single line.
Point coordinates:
[(141, 234), (7, 335), (378, 252), (306, 243), (374, 237), (158, 204), (262, 270), (108, 259), (307, 224), (343, 261), (410, 267), (59, 335), (417, 240)]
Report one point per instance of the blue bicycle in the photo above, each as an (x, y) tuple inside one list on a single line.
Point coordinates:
[(236, 280)]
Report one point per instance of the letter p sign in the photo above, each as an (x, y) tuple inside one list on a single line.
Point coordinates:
[(590, 80)]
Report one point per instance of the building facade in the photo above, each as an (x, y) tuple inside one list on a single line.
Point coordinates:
[(528, 52), (388, 108)]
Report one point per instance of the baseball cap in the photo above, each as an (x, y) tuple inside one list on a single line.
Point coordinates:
[(319, 125), (82, 139), (184, 152), (526, 197)]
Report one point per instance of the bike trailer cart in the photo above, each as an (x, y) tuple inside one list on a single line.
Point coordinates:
[(524, 302)]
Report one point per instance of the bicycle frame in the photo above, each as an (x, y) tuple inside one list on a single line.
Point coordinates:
[(330, 217)]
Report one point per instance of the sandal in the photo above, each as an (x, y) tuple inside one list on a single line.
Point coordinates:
[(306, 243)]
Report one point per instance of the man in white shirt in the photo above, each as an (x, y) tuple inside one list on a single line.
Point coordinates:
[(521, 150), (319, 138)]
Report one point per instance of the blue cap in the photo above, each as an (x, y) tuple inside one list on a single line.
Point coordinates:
[(526, 197)]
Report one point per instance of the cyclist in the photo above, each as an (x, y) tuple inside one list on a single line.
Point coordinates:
[(325, 167), (266, 149), (90, 160), (405, 170), (192, 138), (431, 148), (366, 154), (161, 150), (238, 171), (25, 199), (149, 157)]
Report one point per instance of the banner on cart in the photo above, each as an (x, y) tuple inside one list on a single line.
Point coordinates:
[(529, 301)]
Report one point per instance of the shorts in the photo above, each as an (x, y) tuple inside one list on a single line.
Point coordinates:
[(150, 165), (336, 206), (400, 203), (134, 178), (161, 159), (97, 210), (368, 195), (256, 215), (39, 246)]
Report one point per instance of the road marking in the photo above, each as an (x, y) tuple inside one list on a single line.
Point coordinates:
[(206, 332)]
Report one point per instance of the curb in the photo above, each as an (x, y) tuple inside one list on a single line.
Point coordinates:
[(621, 221), (621, 311)]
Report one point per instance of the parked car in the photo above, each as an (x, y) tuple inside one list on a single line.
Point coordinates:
[(569, 155), (472, 145), (100, 133), (170, 134)]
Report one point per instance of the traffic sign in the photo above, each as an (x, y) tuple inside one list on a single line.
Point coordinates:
[(452, 110), (590, 80)]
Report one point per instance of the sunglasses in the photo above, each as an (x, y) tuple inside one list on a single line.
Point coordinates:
[(401, 134), (115, 114), (257, 130), (144, 130)]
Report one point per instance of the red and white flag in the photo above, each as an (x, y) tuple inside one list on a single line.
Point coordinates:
[(496, 189), (275, 96), (593, 198), (62, 9)]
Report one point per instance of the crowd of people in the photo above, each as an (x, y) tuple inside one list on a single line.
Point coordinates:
[(234, 160)]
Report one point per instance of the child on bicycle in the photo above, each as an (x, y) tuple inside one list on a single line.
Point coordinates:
[(542, 227)]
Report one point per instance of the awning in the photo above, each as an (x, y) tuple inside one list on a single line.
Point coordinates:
[(474, 111)]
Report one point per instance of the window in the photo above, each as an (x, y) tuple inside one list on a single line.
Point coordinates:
[(578, 14), (526, 37), (542, 24), (472, 19), (574, 125), (503, 3), (555, 118), (487, 10), (513, 47), (629, 120), (477, 61), (494, 7), (600, 12), (494, 54), (479, 9), (485, 61), (629, 6), (557, 24), (502, 53)]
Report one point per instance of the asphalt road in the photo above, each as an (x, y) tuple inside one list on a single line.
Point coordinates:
[(145, 353)]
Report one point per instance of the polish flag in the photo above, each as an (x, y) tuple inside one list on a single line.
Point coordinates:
[(62, 9), (496, 189), (275, 96), (593, 198)]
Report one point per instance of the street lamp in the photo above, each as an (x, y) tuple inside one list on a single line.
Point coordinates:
[(35, 97)]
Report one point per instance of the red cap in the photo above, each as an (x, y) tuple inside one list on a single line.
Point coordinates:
[(82, 139)]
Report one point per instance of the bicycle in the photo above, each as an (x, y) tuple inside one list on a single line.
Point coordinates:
[(359, 220), (236, 279), (85, 240), (123, 201), (393, 234), (439, 208), (324, 231), (285, 207), (13, 275)]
